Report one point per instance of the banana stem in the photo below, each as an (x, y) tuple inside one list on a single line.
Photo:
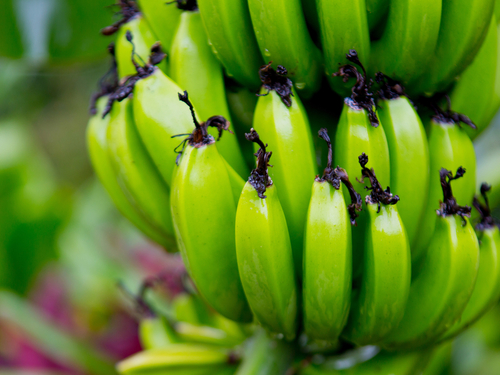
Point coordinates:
[(449, 206), (278, 81), (259, 177)]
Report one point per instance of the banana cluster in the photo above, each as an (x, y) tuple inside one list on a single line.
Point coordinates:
[(378, 250)]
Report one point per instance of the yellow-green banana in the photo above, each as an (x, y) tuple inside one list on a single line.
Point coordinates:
[(229, 29), (327, 269), (344, 27), (177, 359), (408, 150), (163, 18), (409, 39), (264, 251), (449, 148), (283, 38), (155, 332), (463, 27), (194, 67), (136, 173), (282, 122), (439, 294), (487, 288), (379, 302), (133, 22), (203, 203)]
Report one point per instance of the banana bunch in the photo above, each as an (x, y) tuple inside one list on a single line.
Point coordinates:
[(377, 249)]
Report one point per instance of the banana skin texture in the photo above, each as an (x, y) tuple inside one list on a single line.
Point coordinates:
[(136, 173), (327, 274), (143, 40), (98, 149), (464, 24), (177, 359), (379, 304), (194, 67), (487, 288), (409, 158), (229, 29), (159, 115), (287, 131), (409, 39), (163, 19), (347, 19), (283, 38), (265, 261), (441, 291), (203, 206), (449, 148), (474, 92)]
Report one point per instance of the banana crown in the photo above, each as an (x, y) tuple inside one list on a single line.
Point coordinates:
[(361, 97), (125, 88), (108, 82), (335, 176), (128, 10), (377, 194), (449, 205), (259, 177), (487, 221), (278, 81)]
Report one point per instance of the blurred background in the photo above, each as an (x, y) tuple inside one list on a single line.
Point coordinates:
[(63, 245)]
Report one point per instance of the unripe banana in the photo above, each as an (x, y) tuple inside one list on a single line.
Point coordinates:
[(379, 303), (344, 27), (206, 335), (265, 356), (204, 209), (474, 92), (163, 19), (449, 148), (409, 39), (155, 332), (177, 359), (285, 128), (283, 38), (98, 150), (132, 22), (264, 251), (409, 153), (464, 24), (194, 67), (440, 293), (487, 288), (229, 29), (327, 274), (136, 173)]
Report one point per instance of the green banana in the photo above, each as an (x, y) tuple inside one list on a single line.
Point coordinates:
[(359, 130), (408, 41), (474, 92), (408, 150), (132, 22), (487, 289), (194, 67), (206, 335), (379, 303), (177, 359), (326, 290), (494, 102), (344, 27), (155, 332), (284, 125), (163, 19), (376, 10), (282, 35), (136, 173), (311, 14), (450, 148), (264, 251), (98, 150), (464, 24), (189, 308), (263, 355), (439, 360), (439, 294), (229, 29), (203, 203)]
